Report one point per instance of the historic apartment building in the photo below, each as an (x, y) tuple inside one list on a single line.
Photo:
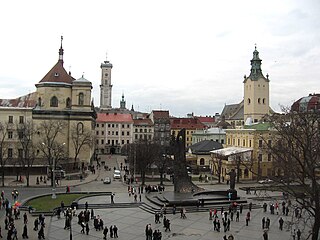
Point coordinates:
[(113, 131), (59, 111)]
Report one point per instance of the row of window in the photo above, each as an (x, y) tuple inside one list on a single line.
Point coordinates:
[(114, 133), (259, 101), (21, 119), (55, 103), (113, 142)]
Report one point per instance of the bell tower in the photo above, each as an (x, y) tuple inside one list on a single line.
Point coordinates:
[(105, 86), (256, 91)]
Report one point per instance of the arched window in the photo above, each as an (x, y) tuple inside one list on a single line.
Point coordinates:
[(80, 128), (54, 102), (39, 101), (68, 103), (81, 99), (202, 161), (259, 100), (246, 173), (264, 101), (249, 101)]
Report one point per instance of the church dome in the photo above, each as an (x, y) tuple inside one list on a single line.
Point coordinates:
[(304, 104)]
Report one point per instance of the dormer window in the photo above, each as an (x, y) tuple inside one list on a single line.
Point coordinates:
[(56, 74)]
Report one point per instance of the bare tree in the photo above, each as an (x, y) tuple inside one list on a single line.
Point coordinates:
[(3, 149), (140, 156), (48, 143), (26, 148), (295, 151), (80, 137)]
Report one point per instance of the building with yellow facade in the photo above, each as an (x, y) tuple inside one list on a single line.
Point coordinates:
[(61, 116)]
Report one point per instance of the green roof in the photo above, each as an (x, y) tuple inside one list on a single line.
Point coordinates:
[(259, 126)]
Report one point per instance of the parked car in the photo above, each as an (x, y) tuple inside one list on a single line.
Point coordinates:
[(117, 174), (264, 181), (59, 174), (107, 180)]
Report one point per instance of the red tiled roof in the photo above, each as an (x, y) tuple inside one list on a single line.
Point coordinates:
[(58, 74), (114, 117), (26, 101), (206, 119), (160, 114), (187, 123), (142, 122)]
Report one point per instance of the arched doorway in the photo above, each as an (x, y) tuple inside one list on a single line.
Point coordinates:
[(112, 150)]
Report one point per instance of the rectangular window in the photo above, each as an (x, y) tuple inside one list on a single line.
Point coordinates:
[(97, 132), (260, 157), (97, 141), (128, 133), (229, 141), (116, 133), (244, 142), (109, 125), (97, 124), (117, 142), (10, 134), (260, 143), (128, 141), (122, 133), (20, 134), (21, 119), (122, 141), (108, 141), (102, 125), (10, 152), (10, 119), (112, 133), (128, 126), (269, 157), (238, 142), (136, 130), (122, 125), (102, 141), (269, 143), (20, 153), (136, 136), (250, 143), (102, 133), (222, 141), (113, 125)]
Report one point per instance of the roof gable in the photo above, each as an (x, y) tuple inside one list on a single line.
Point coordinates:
[(58, 74)]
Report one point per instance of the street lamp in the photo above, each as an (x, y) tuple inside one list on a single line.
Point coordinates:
[(54, 196)]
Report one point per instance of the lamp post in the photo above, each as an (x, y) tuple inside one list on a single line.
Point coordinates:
[(54, 196)]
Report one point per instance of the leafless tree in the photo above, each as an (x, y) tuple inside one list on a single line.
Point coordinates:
[(141, 155), (80, 137), (26, 147), (53, 150), (295, 151), (3, 149)]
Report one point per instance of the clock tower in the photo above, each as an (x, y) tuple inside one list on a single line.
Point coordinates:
[(105, 86), (256, 92)]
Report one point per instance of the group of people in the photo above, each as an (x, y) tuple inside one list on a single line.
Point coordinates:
[(41, 179), (152, 235)]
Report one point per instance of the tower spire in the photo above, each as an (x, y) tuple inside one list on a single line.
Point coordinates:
[(61, 51), (255, 71)]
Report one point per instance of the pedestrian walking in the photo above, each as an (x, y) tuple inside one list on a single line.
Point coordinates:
[(112, 198), (24, 232), (237, 216), (41, 233), (105, 232), (281, 223), (115, 231), (265, 235), (87, 228), (298, 234), (263, 222), (111, 231)]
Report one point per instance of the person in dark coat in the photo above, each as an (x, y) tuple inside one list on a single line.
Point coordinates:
[(115, 231), (87, 229), (105, 232), (111, 231), (25, 232), (41, 233)]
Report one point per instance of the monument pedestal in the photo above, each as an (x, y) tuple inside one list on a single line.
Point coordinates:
[(233, 194)]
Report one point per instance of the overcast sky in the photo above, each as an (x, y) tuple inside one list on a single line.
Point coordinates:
[(178, 55)]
